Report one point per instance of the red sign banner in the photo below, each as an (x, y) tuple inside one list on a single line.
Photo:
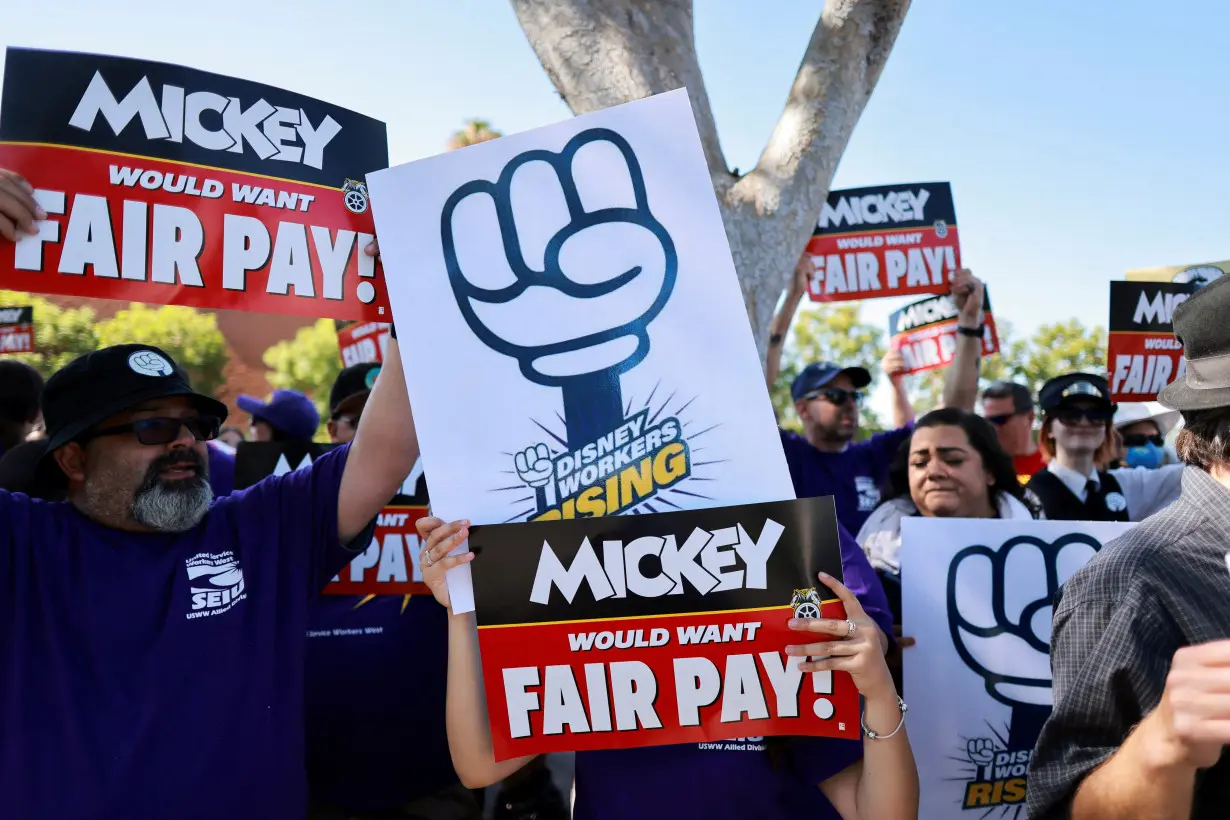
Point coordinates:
[(926, 333), (1143, 355), (16, 330), (890, 240), (167, 185), (363, 342), (676, 634)]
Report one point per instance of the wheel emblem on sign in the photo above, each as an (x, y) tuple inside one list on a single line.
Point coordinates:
[(355, 194), (805, 603)]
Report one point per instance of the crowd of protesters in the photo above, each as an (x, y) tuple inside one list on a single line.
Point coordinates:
[(129, 689)]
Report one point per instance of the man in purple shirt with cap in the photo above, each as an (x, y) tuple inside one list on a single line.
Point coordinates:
[(826, 459), (152, 638)]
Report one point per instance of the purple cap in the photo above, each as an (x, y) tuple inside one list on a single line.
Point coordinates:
[(288, 411)]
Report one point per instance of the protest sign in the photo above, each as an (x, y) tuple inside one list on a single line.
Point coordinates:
[(1197, 275), (579, 340), (363, 342), (390, 566), (16, 330), (657, 629), (1143, 354), (887, 240), (169, 185), (977, 596), (926, 332)]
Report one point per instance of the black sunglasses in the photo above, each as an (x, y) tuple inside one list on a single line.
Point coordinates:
[(1095, 415), (835, 395), (1140, 440), (163, 430)]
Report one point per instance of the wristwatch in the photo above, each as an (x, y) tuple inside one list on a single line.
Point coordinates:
[(975, 332)]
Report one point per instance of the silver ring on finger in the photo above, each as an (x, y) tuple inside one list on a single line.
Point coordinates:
[(427, 557), (851, 626)]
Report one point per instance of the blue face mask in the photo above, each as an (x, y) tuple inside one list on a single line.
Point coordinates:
[(1149, 455)]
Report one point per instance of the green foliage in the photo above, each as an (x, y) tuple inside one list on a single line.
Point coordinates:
[(190, 337), (1054, 349), (828, 332), (308, 363), (59, 335)]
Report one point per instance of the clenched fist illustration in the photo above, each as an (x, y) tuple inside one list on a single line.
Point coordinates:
[(560, 265), (1005, 636), (536, 469), (981, 751)]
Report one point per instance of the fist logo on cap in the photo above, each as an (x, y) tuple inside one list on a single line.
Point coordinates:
[(149, 363)]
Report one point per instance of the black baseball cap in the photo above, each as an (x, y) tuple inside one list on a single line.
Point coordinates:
[(356, 380), (92, 388), (1074, 386), (818, 374)]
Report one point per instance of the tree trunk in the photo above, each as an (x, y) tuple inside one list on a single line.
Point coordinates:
[(601, 53)]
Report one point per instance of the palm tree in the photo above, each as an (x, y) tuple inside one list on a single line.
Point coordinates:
[(474, 132)]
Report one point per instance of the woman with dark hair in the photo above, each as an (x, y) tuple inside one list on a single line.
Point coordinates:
[(1077, 436), (952, 467)]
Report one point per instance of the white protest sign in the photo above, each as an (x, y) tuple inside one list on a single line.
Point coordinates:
[(575, 339), (977, 595)]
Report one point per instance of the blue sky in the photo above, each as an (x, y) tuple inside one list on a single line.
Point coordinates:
[(1081, 139)]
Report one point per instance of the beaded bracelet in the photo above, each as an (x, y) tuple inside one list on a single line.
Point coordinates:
[(900, 705)]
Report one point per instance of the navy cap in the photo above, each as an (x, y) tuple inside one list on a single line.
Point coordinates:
[(356, 380), (819, 374), (288, 411), (1074, 386)]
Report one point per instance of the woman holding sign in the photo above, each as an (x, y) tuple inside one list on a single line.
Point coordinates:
[(868, 781)]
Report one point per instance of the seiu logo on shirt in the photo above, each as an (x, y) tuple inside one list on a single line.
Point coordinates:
[(217, 583), (868, 493), (701, 560)]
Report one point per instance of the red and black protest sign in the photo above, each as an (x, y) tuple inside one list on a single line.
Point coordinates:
[(363, 342), (648, 630), (1143, 355), (889, 240), (926, 332), (16, 330), (390, 566), (168, 185)]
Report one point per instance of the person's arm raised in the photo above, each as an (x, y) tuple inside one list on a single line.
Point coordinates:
[(384, 449), (961, 380), (469, 733), (780, 325), (18, 210)]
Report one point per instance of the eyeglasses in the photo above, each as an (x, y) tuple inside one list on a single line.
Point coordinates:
[(163, 430), (353, 421), (1094, 415), (835, 395), (1001, 420), (1141, 440)]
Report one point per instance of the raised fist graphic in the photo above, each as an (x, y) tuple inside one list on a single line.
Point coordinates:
[(981, 750), (582, 268), (535, 468), (1012, 631)]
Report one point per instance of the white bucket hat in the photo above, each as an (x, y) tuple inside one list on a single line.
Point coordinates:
[(1132, 412)]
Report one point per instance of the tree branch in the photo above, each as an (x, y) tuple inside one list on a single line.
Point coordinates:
[(843, 61), (601, 53)]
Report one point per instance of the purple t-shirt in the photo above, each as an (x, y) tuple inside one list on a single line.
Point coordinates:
[(221, 471), (161, 675), (732, 779), (853, 477), (389, 745)]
